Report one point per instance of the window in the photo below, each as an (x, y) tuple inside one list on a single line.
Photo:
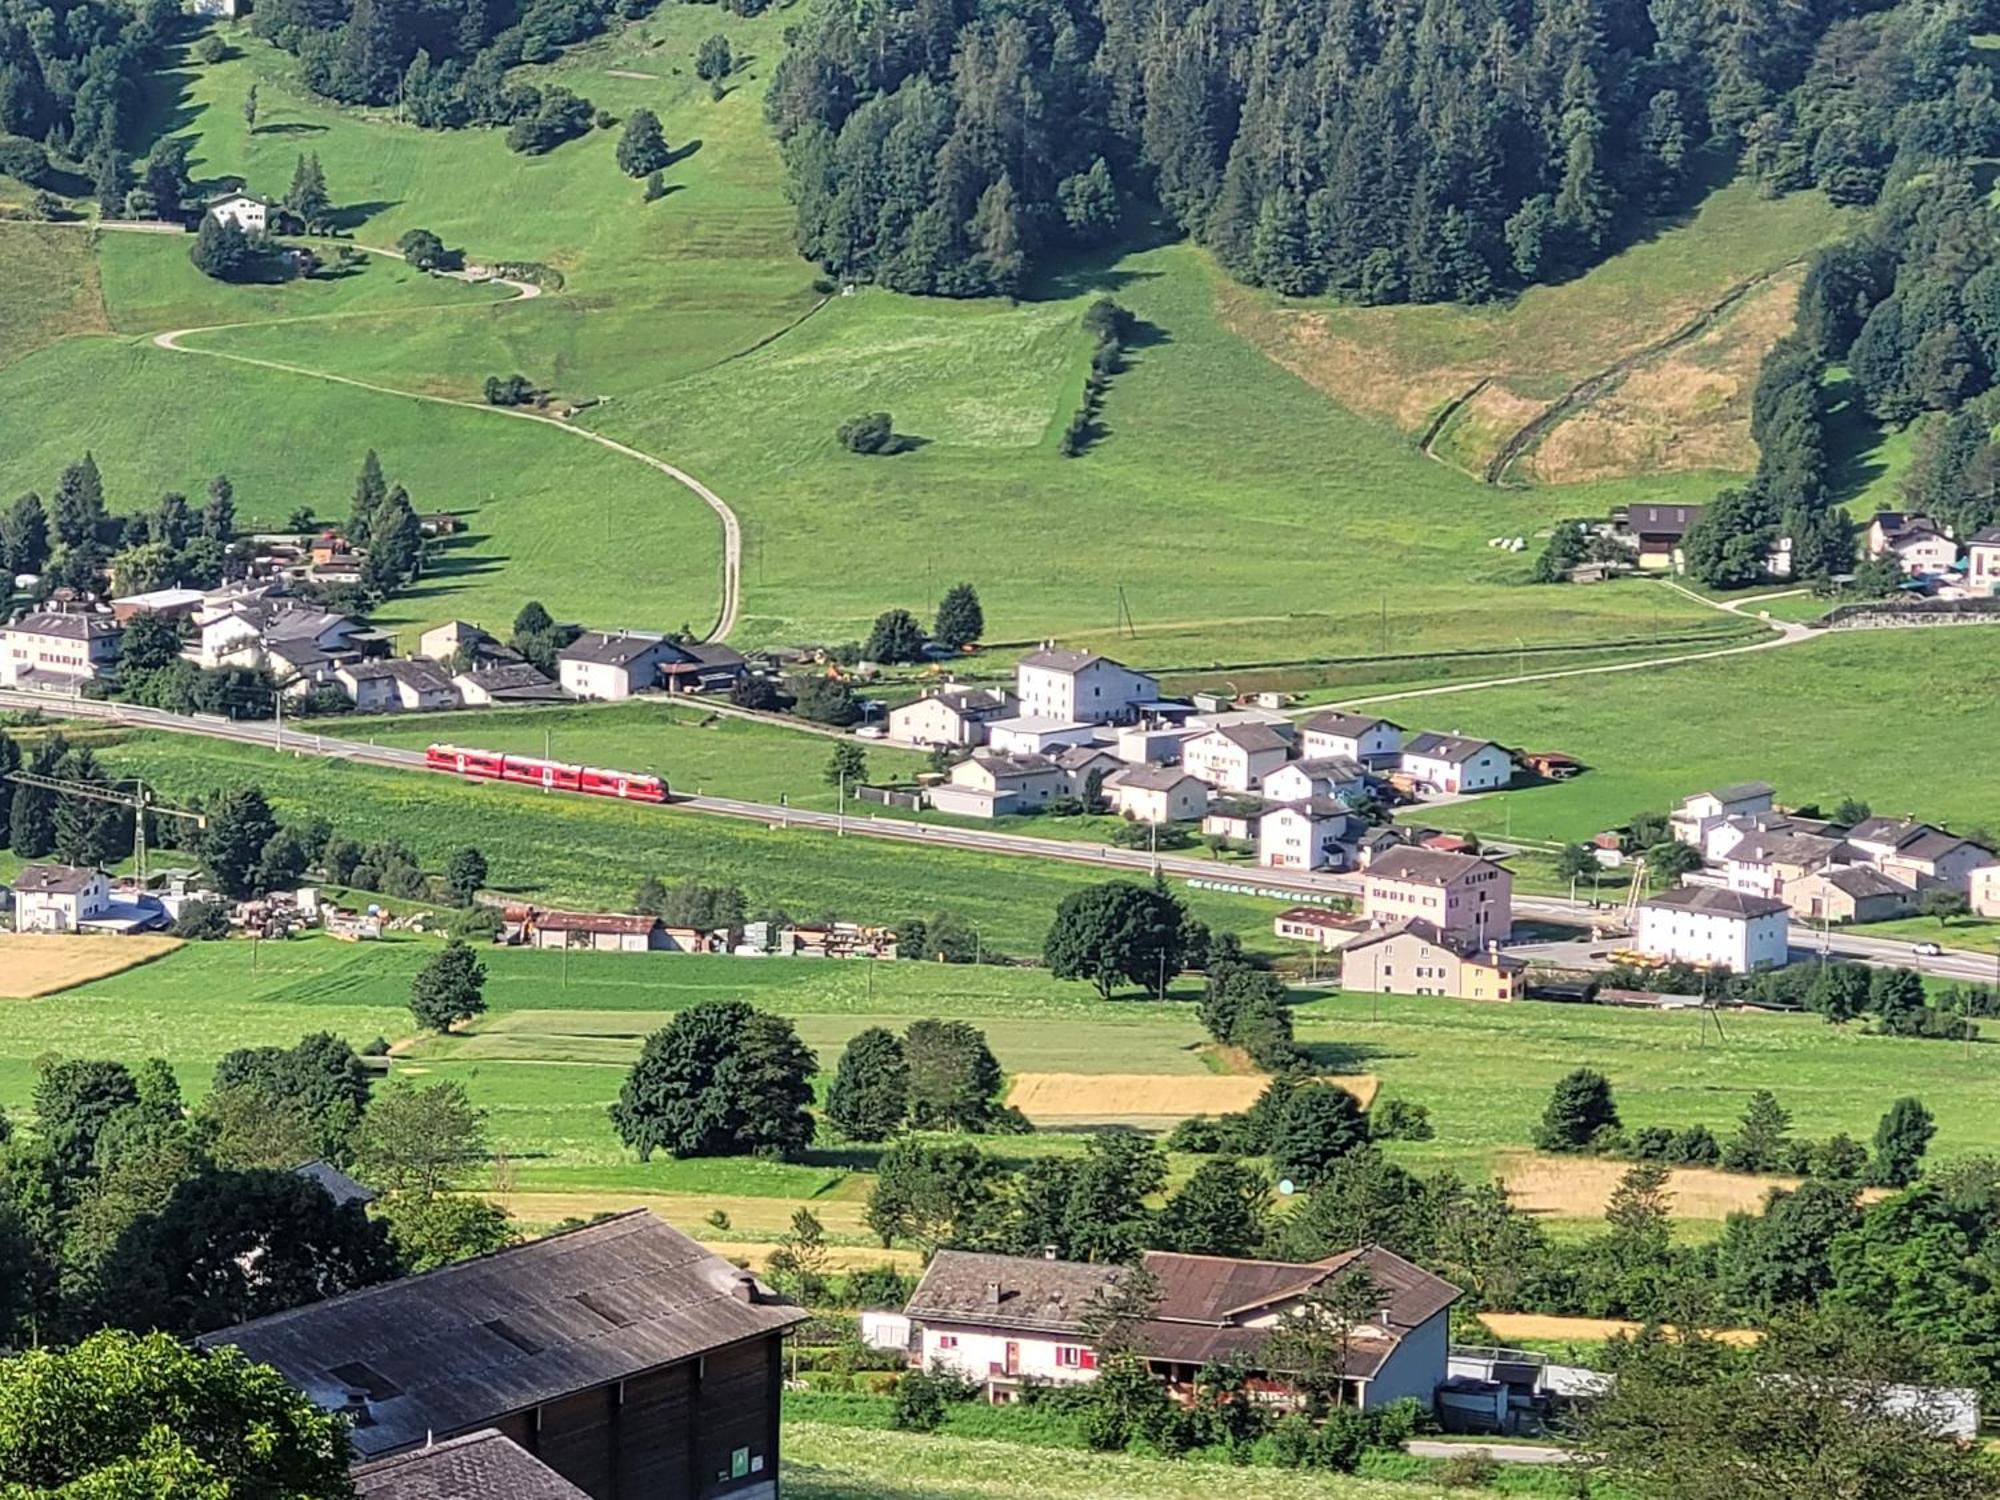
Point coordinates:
[(947, 1341), (1071, 1356)]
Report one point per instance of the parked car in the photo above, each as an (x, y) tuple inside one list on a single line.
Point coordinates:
[(1927, 950), (871, 732)]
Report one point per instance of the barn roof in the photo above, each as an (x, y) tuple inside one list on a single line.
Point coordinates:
[(457, 1348), (479, 1466)]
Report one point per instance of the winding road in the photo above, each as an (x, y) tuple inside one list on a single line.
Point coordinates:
[(732, 529)]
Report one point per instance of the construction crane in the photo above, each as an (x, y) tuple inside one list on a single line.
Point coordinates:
[(140, 800), (1638, 889)]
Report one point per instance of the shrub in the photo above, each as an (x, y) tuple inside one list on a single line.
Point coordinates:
[(872, 432), (1473, 1470), (922, 1395), (1400, 1120), (202, 921)]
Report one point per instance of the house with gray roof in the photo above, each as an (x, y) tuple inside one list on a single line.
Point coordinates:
[(404, 685), (59, 650), (1453, 764), (622, 1355), (1237, 757), (1061, 683), (1710, 927), (482, 1465), (1004, 1320), (613, 664), (1156, 794), (1358, 737), (1918, 856)]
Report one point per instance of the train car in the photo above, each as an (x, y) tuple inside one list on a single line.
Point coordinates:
[(550, 775), (460, 762), (624, 785)]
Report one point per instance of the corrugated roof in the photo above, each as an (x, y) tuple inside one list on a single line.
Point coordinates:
[(458, 1348), (479, 1466), (1346, 726)]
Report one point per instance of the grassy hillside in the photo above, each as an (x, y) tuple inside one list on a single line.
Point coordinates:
[(1685, 410), (48, 288)]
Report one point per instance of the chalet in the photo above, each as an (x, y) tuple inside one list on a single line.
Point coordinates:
[(1982, 563), (1004, 1321), (246, 211), (405, 685), (1237, 757), (1058, 683), (1654, 534), (1156, 794), (1451, 764), (1323, 776), (58, 651), (1414, 957), (622, 1355), (1467, 899), (956, 718), (1691, 821), (485, 1465), (1357, 737), (1916, 855), (613, 664), (1714, 928), (1851, 893), (1321, 926), (1922, 548), (1308, 835), (59, 898)]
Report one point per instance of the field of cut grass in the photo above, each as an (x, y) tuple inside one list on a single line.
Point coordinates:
[(578, 851), (1901, 719), (695, 750), (49, 289), (1404, 365)]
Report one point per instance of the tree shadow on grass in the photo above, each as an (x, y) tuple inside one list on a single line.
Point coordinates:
[(1345, 1057), (289, 127), (680, 154), (351, 216), (1852, 437)]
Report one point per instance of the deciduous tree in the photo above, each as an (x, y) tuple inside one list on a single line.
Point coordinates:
[(721, 1078), (449, 988)]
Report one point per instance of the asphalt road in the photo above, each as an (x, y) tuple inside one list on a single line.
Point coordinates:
[(1950, 964)]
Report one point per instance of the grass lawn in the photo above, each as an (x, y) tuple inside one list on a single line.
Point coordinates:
[(578, 851), (1809, 719), (49, 291)]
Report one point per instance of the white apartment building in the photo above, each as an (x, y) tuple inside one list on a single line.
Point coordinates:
[(1058, 683), (1700, 924), (58, 651)]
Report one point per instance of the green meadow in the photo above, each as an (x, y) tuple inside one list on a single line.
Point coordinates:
[(550, 1054), (1904, 719)]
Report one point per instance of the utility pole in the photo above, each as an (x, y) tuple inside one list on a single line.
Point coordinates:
[(139, 800)]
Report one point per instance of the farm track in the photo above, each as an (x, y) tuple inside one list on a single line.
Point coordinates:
[(1592, 387), (730, 607)]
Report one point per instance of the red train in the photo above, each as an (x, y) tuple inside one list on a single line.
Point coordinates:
[(551, 775)]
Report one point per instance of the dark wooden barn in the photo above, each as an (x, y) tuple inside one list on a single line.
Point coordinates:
[(622, 1355)]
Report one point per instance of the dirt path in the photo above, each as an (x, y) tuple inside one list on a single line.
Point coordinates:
[(1604, 381), (524, 291), (1784, 633)]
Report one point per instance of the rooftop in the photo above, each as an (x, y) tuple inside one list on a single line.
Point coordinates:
[(1149, 778), (341, 1188), (450, 1350), (68, 625), (1713, 901), (1064, 659), (53, 880), (611, 648), (1426, 866), (1348, 726), (1736, 791), (1447, 747), (479, 1466), (1254, 738)]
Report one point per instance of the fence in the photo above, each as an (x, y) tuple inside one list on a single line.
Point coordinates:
[(1903, 614)]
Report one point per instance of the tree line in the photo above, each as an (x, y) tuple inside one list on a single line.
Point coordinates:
[(1455, 150), (72, 75)]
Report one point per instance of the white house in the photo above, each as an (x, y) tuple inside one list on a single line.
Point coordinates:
[(59, 898), (1026, 734), (989, 785), (1692, 820), (59, 650), (1058, 683), (1002, 1320), (1328, 776), (957, 718), (1156, 794), (1985, 886), (1982, 563), (1921, 547), (1309, 835), (404, 685), (246, 211), (1236, 757), (244, 631), (1356, 737), (613, 664), (1702, 924), (1451, 763)]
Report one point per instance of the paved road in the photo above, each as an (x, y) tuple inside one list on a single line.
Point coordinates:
[(1281, 884), (732, 529), (1506, 1453)]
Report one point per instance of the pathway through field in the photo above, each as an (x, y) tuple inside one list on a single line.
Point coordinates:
[(732, 530)]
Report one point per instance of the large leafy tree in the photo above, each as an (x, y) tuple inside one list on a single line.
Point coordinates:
[(1118, 933), (934, 1195), (720, 1078), (123, 1417), (954, 1079), (449, 988), (317, 1087), (642, 149), (960, 620), (1220, 1210), (870, 1093), (1320, 1123), (420, 1140)]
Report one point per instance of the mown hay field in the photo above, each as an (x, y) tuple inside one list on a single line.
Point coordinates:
[(34, 963)]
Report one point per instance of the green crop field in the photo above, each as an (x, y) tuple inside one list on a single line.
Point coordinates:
[(1898, 718), (585, 852)]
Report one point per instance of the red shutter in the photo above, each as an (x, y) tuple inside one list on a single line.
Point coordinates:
[(1089, 1359)]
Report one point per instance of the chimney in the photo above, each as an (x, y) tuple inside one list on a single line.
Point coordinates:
[(992, 1294), (744, 1287), (355, 1408)]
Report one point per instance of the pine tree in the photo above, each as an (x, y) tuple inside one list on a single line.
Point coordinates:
[(996, 230), (79, 504), (960, 620), (307, 197), (110, 185), (370, 490), (218, 517)]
